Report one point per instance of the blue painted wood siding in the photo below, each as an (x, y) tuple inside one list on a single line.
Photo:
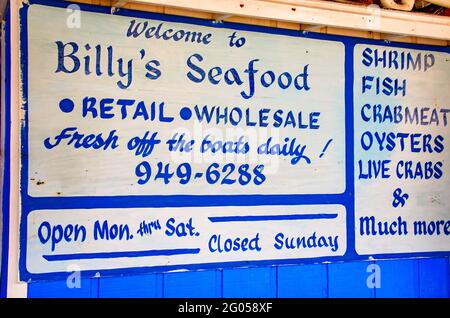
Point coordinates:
[(398, 278)]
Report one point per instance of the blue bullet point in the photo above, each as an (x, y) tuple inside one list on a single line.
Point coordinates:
[(185, 113), (66, 105)]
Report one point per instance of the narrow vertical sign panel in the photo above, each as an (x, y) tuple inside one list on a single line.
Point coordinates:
[(156, 143), (137, 107)]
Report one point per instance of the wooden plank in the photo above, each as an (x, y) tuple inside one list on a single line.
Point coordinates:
[(144, 7), (89, 2), (349, 280), (434, 278), (140, 286), (399, 279), (279, 24), (313, 28), (253, 21), (304, 281), (287, 25), (249, 282), (431, 41), (15, 289), (2, 9), (201, 284), (397, 38), (188, 13)]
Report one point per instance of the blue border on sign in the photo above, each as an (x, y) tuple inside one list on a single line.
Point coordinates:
[(135, 201)]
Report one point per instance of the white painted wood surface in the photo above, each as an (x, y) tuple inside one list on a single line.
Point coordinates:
[(68, 171)]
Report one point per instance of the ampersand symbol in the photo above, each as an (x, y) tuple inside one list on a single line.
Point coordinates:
[(399, 198)]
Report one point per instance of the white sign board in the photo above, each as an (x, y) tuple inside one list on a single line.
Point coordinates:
[(156, 143)]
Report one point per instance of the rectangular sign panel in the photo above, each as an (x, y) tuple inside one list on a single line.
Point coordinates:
[(154, 143)]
